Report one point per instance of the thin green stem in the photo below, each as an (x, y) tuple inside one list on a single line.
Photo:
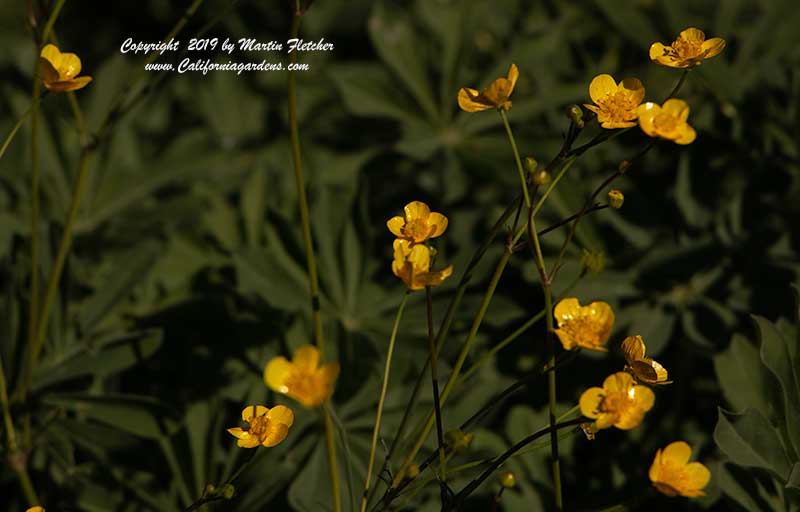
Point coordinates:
[(333, 465), (567, 164), (384, 387), (15, 129), (435, 388), (678, 86), (520, 170), (500, 459), (17, 459)]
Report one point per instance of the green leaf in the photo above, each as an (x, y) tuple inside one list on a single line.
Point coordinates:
[(138, 415), (254, 204), (741, 376), (369, 90), (110, 357), (794, 477), (749, 440), (775, 355), (629, 20)]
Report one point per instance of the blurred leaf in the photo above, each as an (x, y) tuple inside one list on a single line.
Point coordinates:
[(741, 376), (749, 440)]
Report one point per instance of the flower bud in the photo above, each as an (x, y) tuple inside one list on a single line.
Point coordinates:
[(458, 441), (593, 261), (413, 471), (531, 164), (508, 480), (541, 178), (210, 489), (615, 199), (575, 114), (228, 491)]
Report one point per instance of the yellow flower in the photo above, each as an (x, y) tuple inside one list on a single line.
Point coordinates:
[(583, 326), (419, 223), (667, 121), (673, 474), (689, 50), (302, 379), (268, 427), (60, 70), (494, 96), (412, 264), (616, 102), (620, 402), (37, 508), (645, 369)]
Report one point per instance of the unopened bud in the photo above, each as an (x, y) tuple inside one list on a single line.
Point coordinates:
[(433, 251), (615, 199), (210, 488), (228, 491), (593, 261), (458, 441), (508, 480), (575, 114), (531, 164), (413, 471), (541, 178), (623, 166)]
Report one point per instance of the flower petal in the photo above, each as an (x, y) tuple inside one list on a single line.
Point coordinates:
[(276, 374), (633, 348), (51, 53), (601, 86), (647, 113), (677, 453), (566, 310), (471, 101), (590, 402), (253, 410), (439, 222), (70, 66), (657, 51), (281, 414), (602, 316), (416, 210), (713, 47), (248, 441), (69, 85), (677, 108), (619, 381), (513, 75), (655, 468), (306, 357), (687, 135), (327, 375), (395, 225), (49, 73), (697, 477), (498, 91), (692, 34), (277, 432), (635, 89), (237, 432)]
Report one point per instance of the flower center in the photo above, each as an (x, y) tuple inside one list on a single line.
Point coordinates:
[(418, 230), (618, 106), (665, 123), (686, 50), (612, 402), (303, 385), (259, 425)]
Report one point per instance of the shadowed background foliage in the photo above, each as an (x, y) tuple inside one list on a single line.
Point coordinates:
[(187, 272)]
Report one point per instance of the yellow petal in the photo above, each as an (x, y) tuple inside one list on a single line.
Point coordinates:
[(713, 47), (590, 402), (633, 348), (513, 75), (687, 134), (49, 73), (248, 441), (635, 89), (327, 376), (471, 101), (677, 108), (619, 381), (277, 432), (37, 508), (629, 419), (657, 51), (644, 371), (697, 477), (51, 53), (498, 91), (306, 357), (601, 86), (655, 467), (606, 420), (647, 113), (420, 258), (693, 34), (69, 85), (70, 66), (566, 339), (276, 373), (281, 414), (602, 316), (677, 453), (253, 410), (395, 225), (237, 432), (567, 309), (439, 221), (643, 397), (433, 278), (416, 210)]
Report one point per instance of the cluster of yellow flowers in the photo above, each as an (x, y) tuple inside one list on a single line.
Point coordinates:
[(412, 258)]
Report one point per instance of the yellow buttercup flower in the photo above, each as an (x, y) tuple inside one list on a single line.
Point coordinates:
[(583, 326), (267, 427), (673, 474), (688, 50), (494, 96), (667, 121), (60, 70), (645, 369), (419, 224), (620, 402), (616, 103), (37, 508), (302, 379), (412, 264)]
